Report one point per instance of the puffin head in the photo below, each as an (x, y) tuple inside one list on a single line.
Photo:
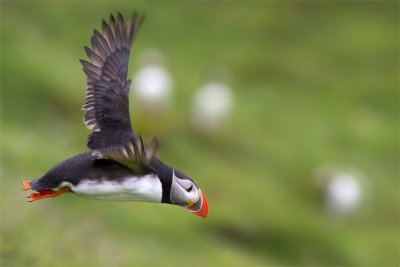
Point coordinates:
[(186, 193)]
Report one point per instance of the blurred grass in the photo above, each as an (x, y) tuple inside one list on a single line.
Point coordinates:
[(315, 83)]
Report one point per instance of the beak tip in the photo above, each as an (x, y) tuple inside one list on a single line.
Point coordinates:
[(203, 211)]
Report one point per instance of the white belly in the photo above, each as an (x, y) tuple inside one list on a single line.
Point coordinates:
[(145, 188)]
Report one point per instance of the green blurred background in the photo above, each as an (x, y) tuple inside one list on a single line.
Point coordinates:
[(315, 84)]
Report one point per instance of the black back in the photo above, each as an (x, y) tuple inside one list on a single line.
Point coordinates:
[(79, 167)]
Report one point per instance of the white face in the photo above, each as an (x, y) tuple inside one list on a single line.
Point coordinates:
[(183, 191)]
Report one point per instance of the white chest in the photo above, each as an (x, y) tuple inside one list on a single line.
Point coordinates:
[(145, 188)]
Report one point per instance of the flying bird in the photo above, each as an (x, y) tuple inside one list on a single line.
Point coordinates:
[(117, 166)]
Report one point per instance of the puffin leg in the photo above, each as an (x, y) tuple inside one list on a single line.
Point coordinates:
[(45, 193), (26, 185)]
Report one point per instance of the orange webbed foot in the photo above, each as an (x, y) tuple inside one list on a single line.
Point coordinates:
[(26, 185), (45, 193)]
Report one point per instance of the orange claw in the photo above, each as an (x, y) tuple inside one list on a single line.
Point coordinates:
[(27, 185), (45, 193)]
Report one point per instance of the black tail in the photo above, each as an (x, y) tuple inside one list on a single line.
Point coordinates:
[(35, 185)]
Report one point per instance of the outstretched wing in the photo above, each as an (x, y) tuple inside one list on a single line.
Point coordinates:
[(107, 97)]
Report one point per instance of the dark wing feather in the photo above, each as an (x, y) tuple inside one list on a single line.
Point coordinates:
[(132, 154), (107, 97)]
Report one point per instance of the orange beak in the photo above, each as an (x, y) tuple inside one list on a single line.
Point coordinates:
[(200, 207)]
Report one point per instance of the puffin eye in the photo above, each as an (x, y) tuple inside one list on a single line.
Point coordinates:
[(189, 189)]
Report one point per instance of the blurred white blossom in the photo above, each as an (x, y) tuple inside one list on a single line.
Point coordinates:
[(212, 105), (343, 193), (342, 189), (152, 83)]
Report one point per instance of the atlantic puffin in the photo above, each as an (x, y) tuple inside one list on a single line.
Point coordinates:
[(117, 166)]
